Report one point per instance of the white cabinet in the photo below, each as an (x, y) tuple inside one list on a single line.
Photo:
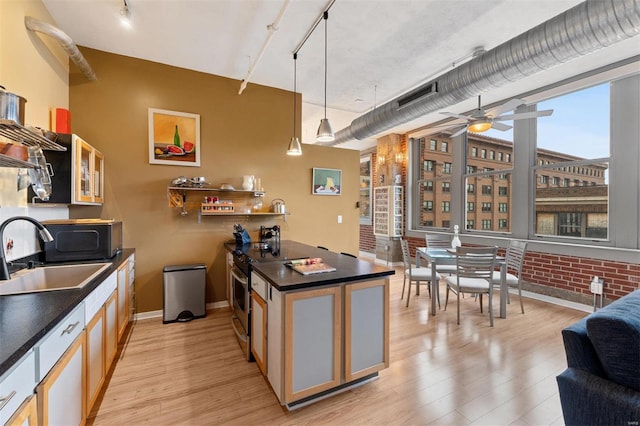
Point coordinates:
[(111, 329), (229, 265), (259, 331), (123, 298), (16, 386), (387, 213), (61, 393), (27, 414), (321, 338), (95, 346), (55, 343)]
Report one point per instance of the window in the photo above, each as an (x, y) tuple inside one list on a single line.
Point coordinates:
[(502, 207), (486, 224), (492, 155), (500, 156), (446, 206), (446, 187), (486, 207), (474, 151), (446, 168), (483, 153), (471, 188), (470, 224), (503, 191), (444, 146), (429, 165), (471, 206), (507, 158), (428, 223), (428, 185), (365, 190), (486, 189), (502, 224), (446, 223), (471, 169), (428, 206), (433, 145), (570, 159), (503, 176), (554, 180)]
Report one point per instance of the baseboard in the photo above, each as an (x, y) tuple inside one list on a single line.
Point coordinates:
[(554, 300), (158, 314)]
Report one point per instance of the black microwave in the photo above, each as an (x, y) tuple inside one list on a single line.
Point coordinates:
[(82, 239)]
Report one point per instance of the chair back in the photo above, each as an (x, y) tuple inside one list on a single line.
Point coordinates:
[(434, 241), (406, 254), (475, 262), (515, 255)]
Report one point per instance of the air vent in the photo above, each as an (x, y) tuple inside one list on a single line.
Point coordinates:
[(418, 94)]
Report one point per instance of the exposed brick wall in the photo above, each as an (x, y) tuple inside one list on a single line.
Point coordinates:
[(572, 273), (367, 239)]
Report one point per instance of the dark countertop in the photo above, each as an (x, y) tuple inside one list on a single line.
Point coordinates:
[(283, 278), (27, 318)]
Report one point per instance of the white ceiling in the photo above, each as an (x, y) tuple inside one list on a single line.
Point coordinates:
[(377, 49)]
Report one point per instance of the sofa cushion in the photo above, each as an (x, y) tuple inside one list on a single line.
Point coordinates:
[(614, 332)]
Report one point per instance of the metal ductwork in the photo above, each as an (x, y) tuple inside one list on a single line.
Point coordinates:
[(65, 41), (579, 31)]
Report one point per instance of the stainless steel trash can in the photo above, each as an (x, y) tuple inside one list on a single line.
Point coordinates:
[(184, 292)]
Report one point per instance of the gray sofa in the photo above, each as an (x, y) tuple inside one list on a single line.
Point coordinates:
[(601, 385)]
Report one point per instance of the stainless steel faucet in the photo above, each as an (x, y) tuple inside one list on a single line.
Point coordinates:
[(44, 234)]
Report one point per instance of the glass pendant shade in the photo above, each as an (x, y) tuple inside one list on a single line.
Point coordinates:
[(480, 126), (325, 133), (294, 147)]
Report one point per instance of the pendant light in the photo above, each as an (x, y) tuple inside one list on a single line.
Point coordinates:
[(294, 146), (325, 133)]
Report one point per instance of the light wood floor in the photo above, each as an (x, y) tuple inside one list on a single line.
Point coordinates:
[(440, 373)]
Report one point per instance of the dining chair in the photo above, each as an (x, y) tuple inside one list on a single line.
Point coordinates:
[(419, 275), (434, 241), (514, 260), (474, 274)]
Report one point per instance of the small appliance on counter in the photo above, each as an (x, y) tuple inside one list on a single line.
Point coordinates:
[(82, 239)]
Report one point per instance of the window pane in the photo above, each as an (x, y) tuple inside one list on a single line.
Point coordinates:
[(365, 190), (434, 181), (489, 207), (572, 194), (577, 210)]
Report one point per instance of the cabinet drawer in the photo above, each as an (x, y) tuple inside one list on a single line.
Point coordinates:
[(53, 345), (99, 296), (259, 285), (16, 386)]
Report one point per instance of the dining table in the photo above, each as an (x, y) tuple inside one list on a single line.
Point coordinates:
[(443, 256)]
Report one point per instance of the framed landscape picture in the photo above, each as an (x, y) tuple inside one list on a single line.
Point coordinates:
[(326, 181), (174, 138)]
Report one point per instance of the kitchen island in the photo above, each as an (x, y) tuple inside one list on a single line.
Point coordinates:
[(319, 334)]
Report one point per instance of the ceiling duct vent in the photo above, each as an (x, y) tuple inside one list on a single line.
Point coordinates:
[(423, 91)]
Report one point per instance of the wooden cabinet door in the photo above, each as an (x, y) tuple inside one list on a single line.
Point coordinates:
[(61, 394), (123, 298), (313, 338), (366, 328), (259, 331), (27, 414), (95, 356), (111, 329)]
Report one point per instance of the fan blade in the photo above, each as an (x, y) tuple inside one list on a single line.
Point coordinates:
[(500, 126), (452, 114), (459, 132), (507, 106), (522, 115)]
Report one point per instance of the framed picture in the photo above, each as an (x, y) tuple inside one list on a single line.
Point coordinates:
[(326, 181), (174, 138)]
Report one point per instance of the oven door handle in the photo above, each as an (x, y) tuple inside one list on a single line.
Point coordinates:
[(241, 336), (244, 280)]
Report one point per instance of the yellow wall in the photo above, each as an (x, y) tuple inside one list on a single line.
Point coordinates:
[(240, 135)]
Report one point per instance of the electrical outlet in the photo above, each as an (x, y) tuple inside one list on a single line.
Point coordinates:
[(597, 285), (339, 218)]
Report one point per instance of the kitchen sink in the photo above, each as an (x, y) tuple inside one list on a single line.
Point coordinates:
[(50, 278)]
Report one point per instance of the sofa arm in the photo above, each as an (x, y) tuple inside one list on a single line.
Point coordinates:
[(588, 399)]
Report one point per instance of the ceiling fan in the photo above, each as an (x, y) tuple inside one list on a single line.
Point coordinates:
[(480, 120)]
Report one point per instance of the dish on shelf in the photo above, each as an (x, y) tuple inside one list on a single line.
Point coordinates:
[(227, 187)]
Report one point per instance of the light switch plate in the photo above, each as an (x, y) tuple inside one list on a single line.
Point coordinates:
[(339, 218)]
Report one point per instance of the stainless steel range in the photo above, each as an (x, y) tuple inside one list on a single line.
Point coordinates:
[(243, 257)]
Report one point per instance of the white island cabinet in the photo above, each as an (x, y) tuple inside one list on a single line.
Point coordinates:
[(324, 338)]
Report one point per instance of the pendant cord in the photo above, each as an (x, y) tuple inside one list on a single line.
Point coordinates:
[(295, 63), (326, 17)]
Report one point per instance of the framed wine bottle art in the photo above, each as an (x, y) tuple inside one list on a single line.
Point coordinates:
[(174, 138)]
